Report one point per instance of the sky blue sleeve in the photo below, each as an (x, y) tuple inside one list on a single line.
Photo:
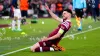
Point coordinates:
[(73, 4), (84, 3)]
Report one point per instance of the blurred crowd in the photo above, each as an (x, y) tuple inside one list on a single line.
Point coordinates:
[(37, 7)]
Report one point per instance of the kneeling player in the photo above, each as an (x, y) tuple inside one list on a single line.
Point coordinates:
[(51, 43)]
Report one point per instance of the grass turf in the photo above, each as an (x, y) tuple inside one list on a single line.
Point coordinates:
[(10, 41)]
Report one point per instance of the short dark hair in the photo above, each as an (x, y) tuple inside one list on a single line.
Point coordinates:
[(68, 10)]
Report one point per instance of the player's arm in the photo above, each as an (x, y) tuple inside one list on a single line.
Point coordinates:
[(52, 14), (18, 2), (73, 7), (60, 32), (73, 4)]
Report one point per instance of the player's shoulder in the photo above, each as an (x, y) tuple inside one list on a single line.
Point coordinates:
[(66, 24)]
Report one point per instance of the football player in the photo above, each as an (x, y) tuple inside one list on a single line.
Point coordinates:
[(51, 42)]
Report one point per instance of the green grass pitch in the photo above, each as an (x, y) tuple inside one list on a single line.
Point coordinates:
[(77, 43)]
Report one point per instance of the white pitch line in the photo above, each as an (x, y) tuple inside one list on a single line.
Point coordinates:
[(15, 51), (30, 46), (86, 31), (82, 32)]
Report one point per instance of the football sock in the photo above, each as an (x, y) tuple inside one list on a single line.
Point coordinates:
[(44, 49), (13, 24), (78, 20), (18, 23)]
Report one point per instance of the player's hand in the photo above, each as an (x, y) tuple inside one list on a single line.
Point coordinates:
[(44, 38), (47, 8), (84, 9), (73, 12)]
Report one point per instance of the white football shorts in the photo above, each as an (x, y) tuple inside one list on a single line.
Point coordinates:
[(17, 13)]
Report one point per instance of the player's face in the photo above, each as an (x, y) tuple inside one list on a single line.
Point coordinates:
[(65, 14)]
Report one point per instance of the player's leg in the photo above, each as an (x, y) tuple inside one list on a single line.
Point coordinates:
[(78, 18), (50, 48), (23, 21), (25, 13), (35, 46), (13, 24), (97, 13), (94, 14), (18, 24), (44, 49), (42, 46), (81, 17), (19, 20), (35, 9), (14, 20), (78, 21)]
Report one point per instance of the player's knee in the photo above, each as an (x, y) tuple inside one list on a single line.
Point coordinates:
[(34, 47)]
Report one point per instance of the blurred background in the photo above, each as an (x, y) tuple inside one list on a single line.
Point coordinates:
[(37, 7)]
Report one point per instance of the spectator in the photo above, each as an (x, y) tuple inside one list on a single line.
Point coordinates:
[(89, 8), (99, 5), (99, 11), (59, 7), (67, 4), (6, 9), (1, 8), (24, 8), (35, 6), (95, 9), (53, 6)]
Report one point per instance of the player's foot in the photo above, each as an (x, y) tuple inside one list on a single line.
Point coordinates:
[(19, 29), (58, 48), (55, 47), (61, 48), (79, 29), (14, 30)]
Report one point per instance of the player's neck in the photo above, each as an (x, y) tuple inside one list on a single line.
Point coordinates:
[(68, 19)]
